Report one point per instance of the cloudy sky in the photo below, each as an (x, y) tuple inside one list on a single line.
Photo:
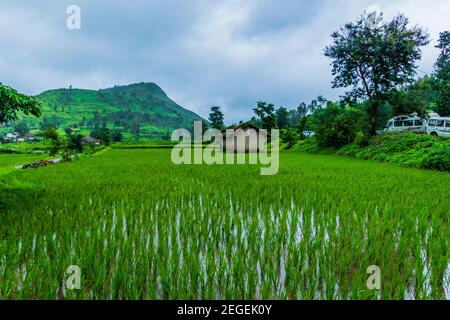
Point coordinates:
[(201, 52)]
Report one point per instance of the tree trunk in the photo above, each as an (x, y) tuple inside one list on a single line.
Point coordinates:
[(373, 113), (373, 126)]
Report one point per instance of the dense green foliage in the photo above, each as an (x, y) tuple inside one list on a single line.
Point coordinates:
[(155, 230), (216, 118), (12, 103), (374, 57), (54, 139), (142, 110), (442, 74), (266, 115), (406, 149), (335, 125), (9, 161)]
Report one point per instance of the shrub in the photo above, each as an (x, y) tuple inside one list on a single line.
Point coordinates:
[(405, 149), (335, 126), (309, 145)]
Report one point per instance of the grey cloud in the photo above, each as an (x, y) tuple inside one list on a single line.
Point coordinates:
[(201, 52)]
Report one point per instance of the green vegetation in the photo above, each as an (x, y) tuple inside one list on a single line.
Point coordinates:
[(405, 149), (9, 161), (137, 111), (377, 61), (12, 103), (140, 227), (374, 57), (24, 147), (216, 118), (442, 74)]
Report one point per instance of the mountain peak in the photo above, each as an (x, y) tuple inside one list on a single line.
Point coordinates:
[(150, 87), (120, 107)]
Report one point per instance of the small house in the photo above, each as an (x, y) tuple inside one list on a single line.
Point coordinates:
[(11, 137), (90, 141), (244, 137)]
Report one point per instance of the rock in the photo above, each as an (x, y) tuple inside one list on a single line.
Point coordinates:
[(37, 164)]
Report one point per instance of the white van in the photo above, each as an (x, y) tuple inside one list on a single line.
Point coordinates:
[(439, 127), (406, 123)]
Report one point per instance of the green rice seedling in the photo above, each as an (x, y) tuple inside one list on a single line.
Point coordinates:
[(139, 227)]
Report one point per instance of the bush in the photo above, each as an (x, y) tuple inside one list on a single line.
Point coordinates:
[(438, 159), (361, 139), (289, 137), (335, 126), (309, 145), (405, 149)]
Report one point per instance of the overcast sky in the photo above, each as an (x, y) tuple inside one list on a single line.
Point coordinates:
[(202, 53)]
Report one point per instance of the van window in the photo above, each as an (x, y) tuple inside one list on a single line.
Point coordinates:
[(440, 123), (408, 123), (398, 123), (390, 124), (432, 123), (447, 123), (418, 123)]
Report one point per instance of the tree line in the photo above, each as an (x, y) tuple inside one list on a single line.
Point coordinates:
[(376, 61)]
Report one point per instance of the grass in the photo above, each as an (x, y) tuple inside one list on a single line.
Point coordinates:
[(140, 227), (405, 149), (9, 161), (118, 107), (23, 147)]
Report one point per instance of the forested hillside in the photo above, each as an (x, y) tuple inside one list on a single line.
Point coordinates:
[(141, 109)]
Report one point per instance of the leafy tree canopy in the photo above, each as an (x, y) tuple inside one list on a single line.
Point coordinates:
[(13, 102), (442, 74), (266, 113), (216, 118), (282, 118), (442, 65), (374, 57), (335, 125)]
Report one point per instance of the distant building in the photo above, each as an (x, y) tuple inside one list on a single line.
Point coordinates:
[(244, 138), (90, 140), (11, 137), (29, 136)]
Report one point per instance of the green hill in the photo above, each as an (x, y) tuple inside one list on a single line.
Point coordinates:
[(142, 107)]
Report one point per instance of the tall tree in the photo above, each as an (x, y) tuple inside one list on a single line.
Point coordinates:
[(418, 98), (443, 63), (216, 118), (443, 105), (282, 118), (52, 135), (442, 73), (13, 102), (136, 129), (374, 57), (21, 127), (74, 143), (266, 113)]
